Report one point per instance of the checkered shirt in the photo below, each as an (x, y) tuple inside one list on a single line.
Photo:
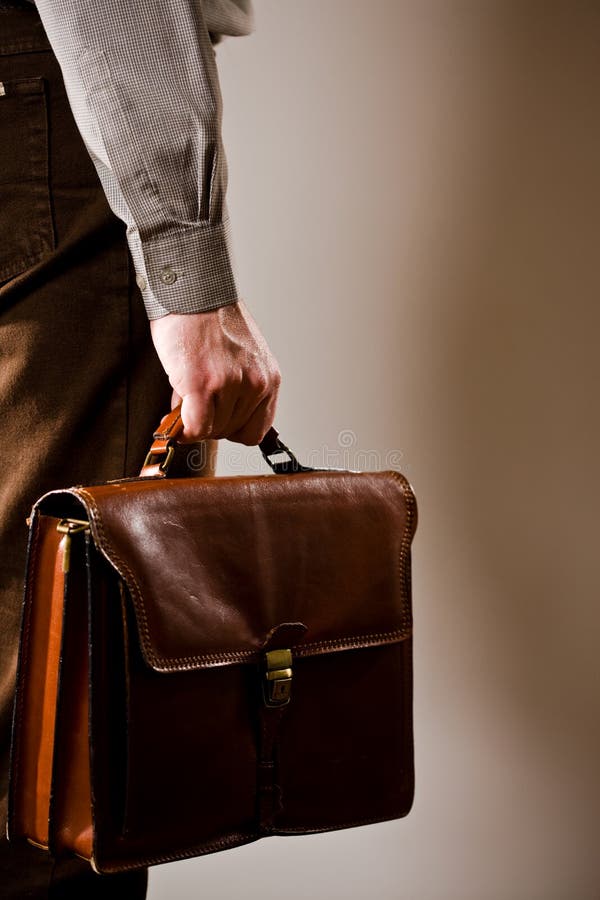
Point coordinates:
[(142, 82)]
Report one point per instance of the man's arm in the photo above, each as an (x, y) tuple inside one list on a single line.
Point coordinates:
[(142, 82), (143, 86)]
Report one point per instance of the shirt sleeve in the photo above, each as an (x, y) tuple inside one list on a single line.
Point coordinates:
[(142, 83)]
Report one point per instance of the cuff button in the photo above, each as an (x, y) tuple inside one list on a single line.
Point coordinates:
[(167, 275), (141, 282)]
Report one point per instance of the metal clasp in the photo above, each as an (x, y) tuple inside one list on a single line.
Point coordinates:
[(277, 686), (69, 527), (151, 459)]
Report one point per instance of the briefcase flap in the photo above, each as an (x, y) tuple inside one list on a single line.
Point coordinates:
[(214, 565)]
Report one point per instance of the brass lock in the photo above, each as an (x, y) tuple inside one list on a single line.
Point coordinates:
[(277, 686)]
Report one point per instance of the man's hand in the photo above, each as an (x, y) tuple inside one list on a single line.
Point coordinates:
[(222, 370)]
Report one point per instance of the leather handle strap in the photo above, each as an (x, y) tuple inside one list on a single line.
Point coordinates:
[(162, 449)]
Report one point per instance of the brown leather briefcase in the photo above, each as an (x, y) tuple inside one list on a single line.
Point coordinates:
[(205, 662)]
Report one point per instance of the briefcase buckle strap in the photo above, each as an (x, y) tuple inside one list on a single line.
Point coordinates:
[(277, 686), (153, 462)]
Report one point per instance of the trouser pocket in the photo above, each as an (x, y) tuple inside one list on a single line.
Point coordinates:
[(26, 226)]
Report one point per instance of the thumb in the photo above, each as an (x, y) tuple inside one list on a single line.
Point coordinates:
[(197, 414)]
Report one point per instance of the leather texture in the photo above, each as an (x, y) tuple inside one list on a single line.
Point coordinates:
[(157, 742), (40, 652)]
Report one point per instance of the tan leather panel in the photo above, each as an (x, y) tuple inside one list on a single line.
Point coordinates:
[(72, 807), (42, 641)]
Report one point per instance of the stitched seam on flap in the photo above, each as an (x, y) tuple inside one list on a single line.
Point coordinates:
[(166, 664), (407, 537), (118, 563)]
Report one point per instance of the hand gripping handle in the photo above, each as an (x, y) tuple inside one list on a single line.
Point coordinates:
[(162, 449)]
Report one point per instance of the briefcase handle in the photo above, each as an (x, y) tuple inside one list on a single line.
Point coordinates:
[(162, 450)]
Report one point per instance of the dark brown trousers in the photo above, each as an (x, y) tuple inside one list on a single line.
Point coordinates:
[(81, 388)]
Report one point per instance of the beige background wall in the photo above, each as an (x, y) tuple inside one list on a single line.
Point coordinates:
[(415, 193)]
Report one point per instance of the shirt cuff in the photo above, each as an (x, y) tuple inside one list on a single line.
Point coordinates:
[(188, 270)]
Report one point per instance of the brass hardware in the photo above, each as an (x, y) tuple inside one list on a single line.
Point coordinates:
[(164, 465), (72, 526), (69, 527), (277, 686)]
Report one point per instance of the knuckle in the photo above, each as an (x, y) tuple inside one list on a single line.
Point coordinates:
[(221, 380), (213, 382), (259, 381)]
